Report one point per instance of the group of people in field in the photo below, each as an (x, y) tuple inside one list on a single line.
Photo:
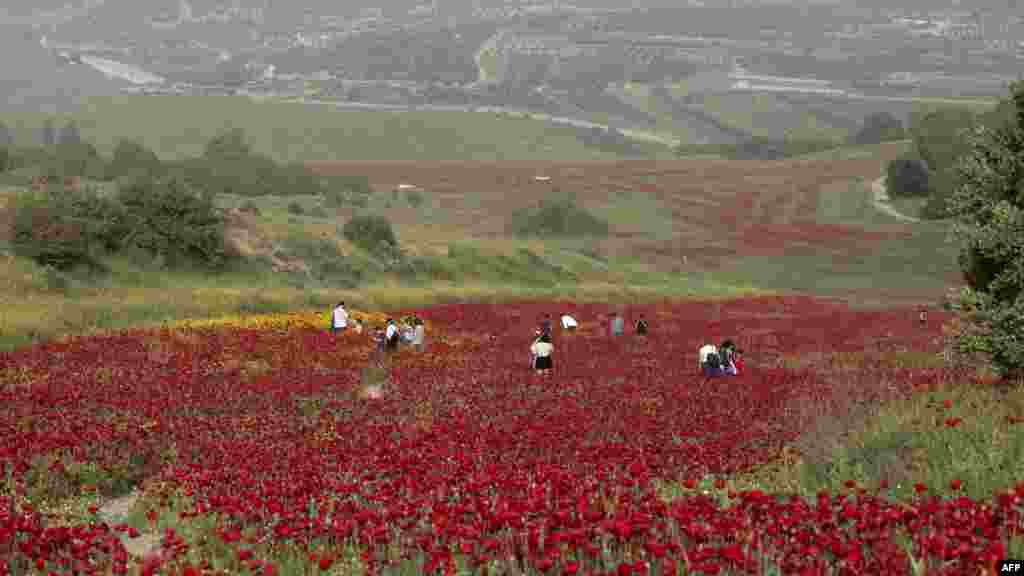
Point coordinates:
[(388, 337), (713, 361)]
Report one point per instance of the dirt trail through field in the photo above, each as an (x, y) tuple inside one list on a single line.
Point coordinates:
[(881, 200), (116, 511)]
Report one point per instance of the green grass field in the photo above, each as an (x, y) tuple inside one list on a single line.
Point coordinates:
[(914, 264), (177, 126), (767, 116)]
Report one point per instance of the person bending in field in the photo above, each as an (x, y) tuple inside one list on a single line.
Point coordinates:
[(709, 361), (727, 356), (391, 336), (541, 351), (568, 323), (339, 318)]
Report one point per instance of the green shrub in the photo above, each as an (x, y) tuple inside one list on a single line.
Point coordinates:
[(132, 159), (167, 219), (415, 198), (5, 158), (907, 177), (559, 217), (53, 230), (347, 191), (295, 208), (372, 233), (986, 205)]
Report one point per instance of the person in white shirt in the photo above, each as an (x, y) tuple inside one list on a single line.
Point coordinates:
[(391, 335), (568, 322), (705, 351), (339, 318), (419, 333), (541, 350)]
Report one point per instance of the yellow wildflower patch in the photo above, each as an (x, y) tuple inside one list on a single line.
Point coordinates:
[(293, 320)]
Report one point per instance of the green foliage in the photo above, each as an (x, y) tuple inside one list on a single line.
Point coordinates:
[(879, 127), (75, 159), (373, 233), (60, 231), (348, 190), (132, 159), (760, 148), (987, 205), (415, 198), (906, 177), (557, 217), (295, 208), (327, 264), (229, 166), (168, 220), (5, 158)]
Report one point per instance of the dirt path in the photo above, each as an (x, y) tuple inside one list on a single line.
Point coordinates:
[(880, 198), (116, 511)]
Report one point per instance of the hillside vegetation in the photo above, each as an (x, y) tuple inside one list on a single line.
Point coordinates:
[(435, 231)]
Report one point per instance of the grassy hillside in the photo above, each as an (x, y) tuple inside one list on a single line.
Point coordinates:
[(707, 227), (175, 126)]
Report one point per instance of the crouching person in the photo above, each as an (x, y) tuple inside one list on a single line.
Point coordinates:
[(709, 361), (541, 351)]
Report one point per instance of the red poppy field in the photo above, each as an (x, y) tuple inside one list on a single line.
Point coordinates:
[(256, 453)]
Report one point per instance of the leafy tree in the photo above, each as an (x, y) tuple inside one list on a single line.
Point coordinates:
[(81, 159), (5, 158), (987, 205), (879, 127), (371, 232), (131, 158), (59, 230), (557, 217), (907, 177), (936, 136), (169, 220)]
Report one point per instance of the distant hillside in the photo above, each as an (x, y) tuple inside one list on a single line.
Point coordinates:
[(33, 78)]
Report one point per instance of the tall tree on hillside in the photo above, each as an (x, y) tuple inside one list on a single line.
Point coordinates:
[(937, 140), (987, 205)]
